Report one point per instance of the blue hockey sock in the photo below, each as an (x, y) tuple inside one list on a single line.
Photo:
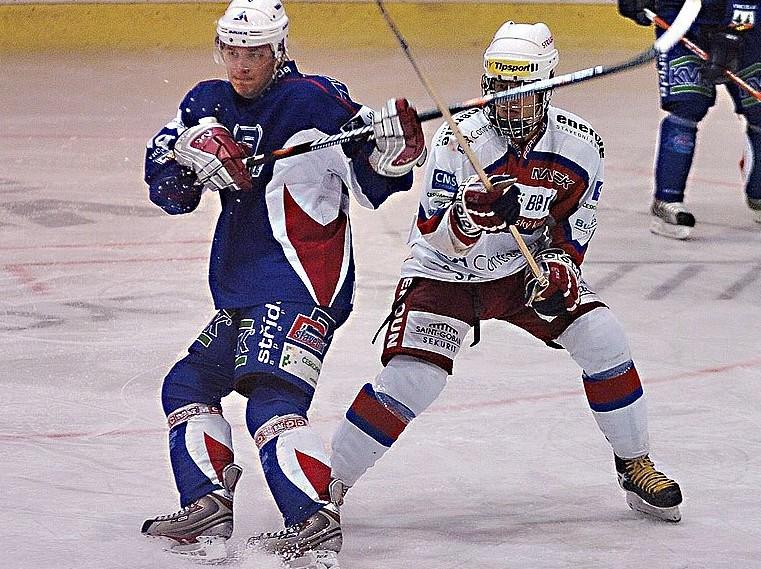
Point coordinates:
[(752, 162), (675, 152)]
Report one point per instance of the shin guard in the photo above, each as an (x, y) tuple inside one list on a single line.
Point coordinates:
[(200, 447), (751, 163), (676, 149), (596, 341), (380, 413)]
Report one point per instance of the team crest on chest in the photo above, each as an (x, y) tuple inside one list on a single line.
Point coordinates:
[(252, 136)]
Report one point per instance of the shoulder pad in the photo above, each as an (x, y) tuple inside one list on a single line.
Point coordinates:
[(569, 123)]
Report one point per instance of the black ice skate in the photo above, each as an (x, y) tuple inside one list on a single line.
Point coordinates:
[(671, 219), (647, 490), (311, 544), (755, 209), (201, 528)]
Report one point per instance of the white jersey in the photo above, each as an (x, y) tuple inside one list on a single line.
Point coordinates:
[(560, 177)]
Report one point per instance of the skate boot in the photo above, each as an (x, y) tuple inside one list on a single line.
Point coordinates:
[(311, 544), (755, 207), (201, 528), (671, 219), (647, 490)]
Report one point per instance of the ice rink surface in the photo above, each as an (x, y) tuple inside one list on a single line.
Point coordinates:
[(100, 291)]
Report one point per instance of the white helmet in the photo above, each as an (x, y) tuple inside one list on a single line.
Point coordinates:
[(248, 23), (519, 53)]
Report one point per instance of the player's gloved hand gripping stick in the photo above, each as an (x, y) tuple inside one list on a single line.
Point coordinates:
[(702, 54)]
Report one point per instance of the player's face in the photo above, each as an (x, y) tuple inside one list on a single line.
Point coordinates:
[(527, 109), (249, 69)]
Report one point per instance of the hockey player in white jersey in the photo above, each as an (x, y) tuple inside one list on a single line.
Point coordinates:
[(546, 167)]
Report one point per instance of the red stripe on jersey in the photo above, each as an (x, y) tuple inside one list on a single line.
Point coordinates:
[(430, 225), (320, 248)]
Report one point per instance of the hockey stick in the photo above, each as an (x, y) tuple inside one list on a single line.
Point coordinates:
[(681, 24), (472, 158), (702, 54)]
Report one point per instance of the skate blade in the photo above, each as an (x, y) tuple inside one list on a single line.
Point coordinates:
[(660, 227), (756, 216), (207, 549), (666, 514), (317, 559)]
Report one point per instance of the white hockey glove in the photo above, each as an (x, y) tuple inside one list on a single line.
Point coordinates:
[(399, 139), (562, 291), (476, 210), (211, 152)]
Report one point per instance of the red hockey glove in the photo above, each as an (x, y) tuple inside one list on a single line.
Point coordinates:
[(211, 152), (476, 210), (399, 139), (562, 291)]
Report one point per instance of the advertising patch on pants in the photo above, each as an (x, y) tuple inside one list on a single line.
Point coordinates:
[(301, 363), (434, 333), (284, 339)]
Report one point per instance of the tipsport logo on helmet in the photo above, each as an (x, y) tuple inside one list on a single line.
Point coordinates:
[(511, 67)]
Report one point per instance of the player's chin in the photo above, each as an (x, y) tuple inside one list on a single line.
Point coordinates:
[(246, 88)]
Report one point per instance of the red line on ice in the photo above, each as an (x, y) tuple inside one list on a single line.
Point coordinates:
[(22, 273), (694, 374)]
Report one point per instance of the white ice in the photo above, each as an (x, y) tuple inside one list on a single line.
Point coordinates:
[(99, 292)]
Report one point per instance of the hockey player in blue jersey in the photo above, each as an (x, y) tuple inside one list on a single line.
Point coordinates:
[(728, 31), (281, 275)]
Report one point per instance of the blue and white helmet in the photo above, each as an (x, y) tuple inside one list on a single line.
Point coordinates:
[(249, 23)]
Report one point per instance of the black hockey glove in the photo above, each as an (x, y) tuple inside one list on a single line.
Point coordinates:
[(724, 51), (635, 10)]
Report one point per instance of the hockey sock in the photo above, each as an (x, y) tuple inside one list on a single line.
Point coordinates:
[(200, 446), (752, 162), (292, 454), (380, 412), (676, 148), (596, 341)]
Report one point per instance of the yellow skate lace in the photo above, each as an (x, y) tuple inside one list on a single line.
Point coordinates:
[(643, 474)]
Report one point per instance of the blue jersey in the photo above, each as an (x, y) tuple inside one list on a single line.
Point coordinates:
[(289, 239), (738, 14)]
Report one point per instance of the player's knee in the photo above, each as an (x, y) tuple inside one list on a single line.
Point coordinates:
[(270, 396), (692, 111), (183, 386), (596, 341), (412, 382)]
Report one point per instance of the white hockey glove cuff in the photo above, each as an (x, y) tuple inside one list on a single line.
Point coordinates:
[(210, 151), (399, 139)]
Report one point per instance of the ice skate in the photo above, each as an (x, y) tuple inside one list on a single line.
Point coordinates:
[(671, 219), (755, 208), (202, 528), (311, 544), (647, 490)]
